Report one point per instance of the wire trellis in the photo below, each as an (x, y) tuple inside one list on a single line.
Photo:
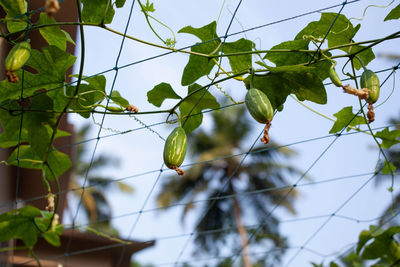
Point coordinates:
[(160, 171)]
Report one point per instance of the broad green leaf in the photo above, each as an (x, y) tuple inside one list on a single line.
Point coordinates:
[(388, 168), (366, 55), (58, 162), (285, 80), (205, 33), (51, 234), (32, 83), (68, 37), (393, 14), (304, 81), (289, 58), (389, 138), (51, 66), (14, 140), (332, 264), (239, 63), (119, 3), (118, 99), (7, 142), (53, 34), (199, 66), (16, 19), (9, 124), (38, 134), (20, 224), (346, 117), (14, 8), (191, 108), (160, 92), (363, 238), (94, 11), (342, 32), (19, 24), (91, 91), (378, 248), (294, 58), (52, 62)]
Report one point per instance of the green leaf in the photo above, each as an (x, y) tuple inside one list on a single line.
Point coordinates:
[(199, 66), (342, 32), (389, 138), (9, 124), (239, 63), (366, 55), (285, 80), (160, 92), (378, 248), (14, 8), (118, 99), (38, 135), (51, 234), (346, 117), (388, 168), (94, 11), (200, 100), (393, 14), (89, 93), (205, 33), (19, 224), (363, 238), (16, 18), (16, 26), (289, 58), (53, 35), (52, 62), (51, 66), (294, 58), (68, 37), (148, 7), (119, 3), (58, 162), (304, 81)]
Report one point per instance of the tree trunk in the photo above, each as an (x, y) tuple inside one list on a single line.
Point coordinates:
[(242, 232)]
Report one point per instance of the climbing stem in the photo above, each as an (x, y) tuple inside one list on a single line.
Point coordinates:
[(370, 129)]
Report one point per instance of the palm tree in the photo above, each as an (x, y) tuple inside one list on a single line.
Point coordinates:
[(238, 194), (94, 200)]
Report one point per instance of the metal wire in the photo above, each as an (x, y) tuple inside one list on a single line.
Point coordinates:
[(160, 171)]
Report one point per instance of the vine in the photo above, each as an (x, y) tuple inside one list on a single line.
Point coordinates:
[(31, 109)]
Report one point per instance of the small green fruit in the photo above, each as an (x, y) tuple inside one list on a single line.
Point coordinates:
[(259, 106), (334, 77), (18, 56), (370, 81), (175, 149)]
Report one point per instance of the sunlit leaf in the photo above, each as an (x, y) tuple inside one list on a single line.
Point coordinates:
[(393, 14), (389, 138), (344, 118), (160, 92)]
